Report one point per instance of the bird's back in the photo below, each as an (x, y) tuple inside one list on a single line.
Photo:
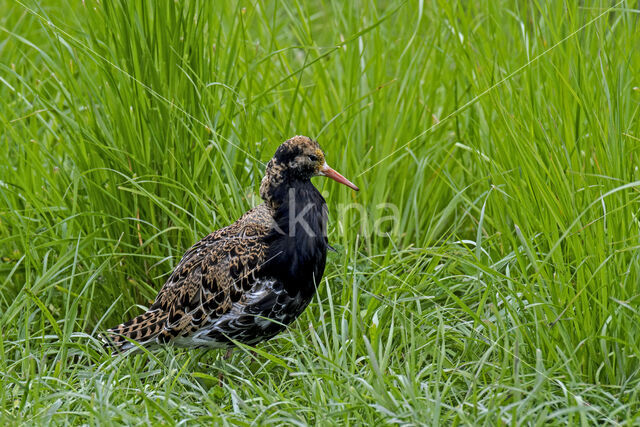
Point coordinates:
[(214, 275)]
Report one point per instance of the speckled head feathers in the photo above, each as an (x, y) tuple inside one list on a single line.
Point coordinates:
[(296, 160), (300, 156)]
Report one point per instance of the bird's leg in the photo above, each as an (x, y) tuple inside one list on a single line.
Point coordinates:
[(227, 356)]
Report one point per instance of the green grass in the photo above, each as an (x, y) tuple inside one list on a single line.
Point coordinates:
[(506, 134)]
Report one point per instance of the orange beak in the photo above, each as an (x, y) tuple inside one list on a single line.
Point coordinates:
[(330, 173)]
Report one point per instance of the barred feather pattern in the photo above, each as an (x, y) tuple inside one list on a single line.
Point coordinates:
[(216, 276)]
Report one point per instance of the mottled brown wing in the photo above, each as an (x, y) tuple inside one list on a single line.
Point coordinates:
[(209, 279)]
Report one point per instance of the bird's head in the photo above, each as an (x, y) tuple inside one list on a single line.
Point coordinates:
[(302, 158)]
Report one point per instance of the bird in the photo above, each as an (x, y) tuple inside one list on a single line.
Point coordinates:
[(248, 281)]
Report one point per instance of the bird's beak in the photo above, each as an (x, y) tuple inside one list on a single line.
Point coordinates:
[(330, 173)]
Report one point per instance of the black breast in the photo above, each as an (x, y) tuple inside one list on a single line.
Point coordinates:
[(298, 243)]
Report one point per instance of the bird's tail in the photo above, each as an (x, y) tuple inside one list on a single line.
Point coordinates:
[(144, 329)]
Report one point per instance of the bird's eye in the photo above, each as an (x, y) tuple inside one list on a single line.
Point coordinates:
[(313, 158)]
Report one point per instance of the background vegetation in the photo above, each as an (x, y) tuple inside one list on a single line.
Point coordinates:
[(506, 133)]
